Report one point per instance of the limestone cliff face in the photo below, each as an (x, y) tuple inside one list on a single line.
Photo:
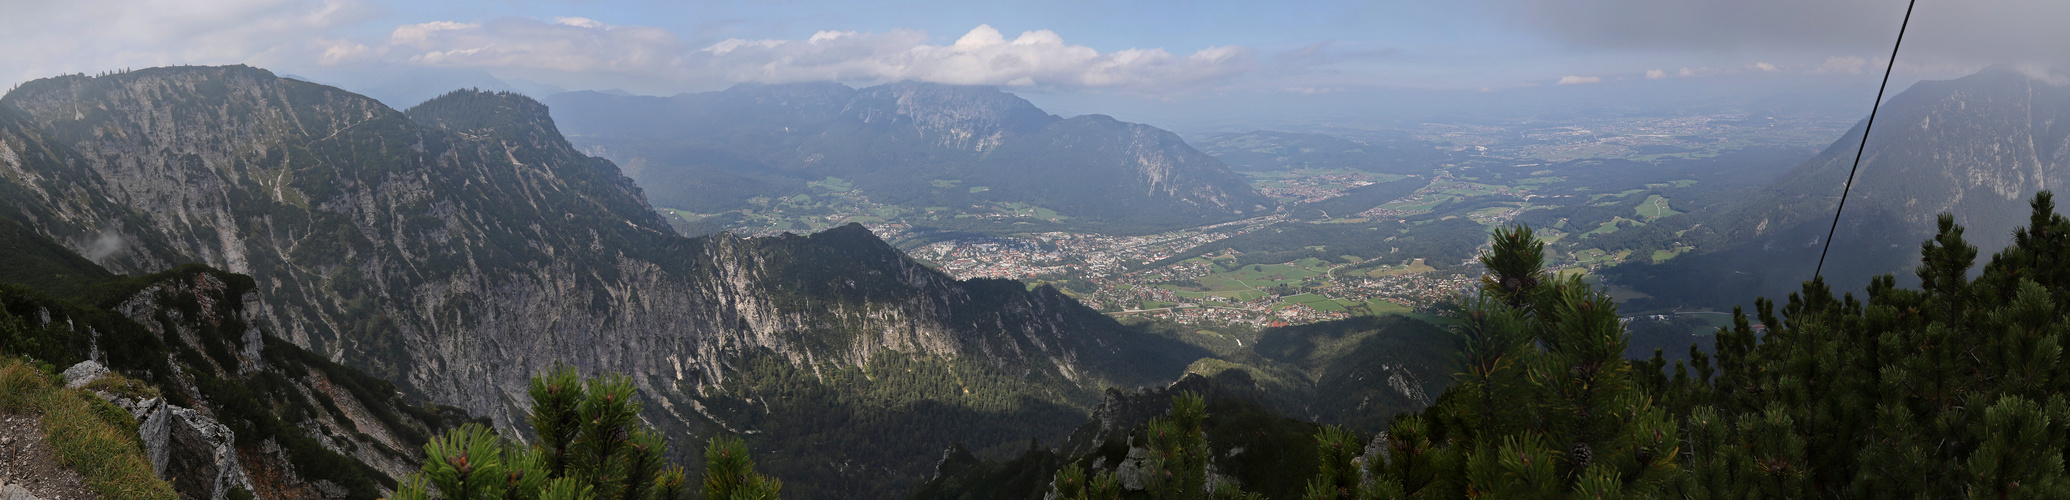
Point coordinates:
[(1128, 166), (970, 119), (221, 406), (463, 246)]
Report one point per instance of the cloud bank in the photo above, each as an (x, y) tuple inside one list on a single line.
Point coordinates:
[(1943, 36), (983, 56), (45, 39), (315, 36), (358, 43)]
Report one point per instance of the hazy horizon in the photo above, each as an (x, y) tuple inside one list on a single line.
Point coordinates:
[(1195, 69)]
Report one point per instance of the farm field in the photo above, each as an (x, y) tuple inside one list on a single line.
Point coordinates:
[(1294, 289), (1655, 206)]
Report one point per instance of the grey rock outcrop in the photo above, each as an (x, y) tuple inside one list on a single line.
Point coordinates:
[(16, 492), (1134, 471), (83, 373), (193, 452)]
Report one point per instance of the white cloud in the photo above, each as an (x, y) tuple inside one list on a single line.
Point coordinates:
[(51, 38), (422, 32), (983, 56), (336, 51), (1838, 64), (1654, 74), (579, 22), (1954, 35), (574, 45), (1573, 80), (300, 36), (2051, 76), (823, 36), (1763, 66)]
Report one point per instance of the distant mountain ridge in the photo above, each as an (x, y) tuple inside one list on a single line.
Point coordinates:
[(460, 246), (1266, 150), (1977, 147), (908, 143)]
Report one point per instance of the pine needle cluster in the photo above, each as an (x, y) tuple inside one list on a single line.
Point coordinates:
[(591, 446), (1177, 468)]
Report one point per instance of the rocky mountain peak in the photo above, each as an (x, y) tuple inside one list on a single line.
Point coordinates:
[(477, 112), (201, 113), (804, 95), (971, 118)]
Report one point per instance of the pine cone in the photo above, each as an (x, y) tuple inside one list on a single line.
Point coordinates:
[(1582, 455)]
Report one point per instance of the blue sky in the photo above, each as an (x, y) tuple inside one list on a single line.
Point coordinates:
[(1159, 59)]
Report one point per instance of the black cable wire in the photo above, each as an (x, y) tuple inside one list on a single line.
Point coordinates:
[(1858, 150)]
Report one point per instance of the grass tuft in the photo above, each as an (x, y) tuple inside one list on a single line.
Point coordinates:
[(87, 434), (119, 385), (22, 387)]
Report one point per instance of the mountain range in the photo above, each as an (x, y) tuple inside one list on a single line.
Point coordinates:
[(1976, 147), (456, 248), (463, 245), (908, 144), (1265, 150)]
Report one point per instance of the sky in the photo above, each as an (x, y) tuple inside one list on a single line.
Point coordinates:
[(1203, 61)]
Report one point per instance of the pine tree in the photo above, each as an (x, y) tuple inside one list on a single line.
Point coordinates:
[(1951, 390), (1546, 406), (729, 472), (1072, 485), (590, 446), (1176, 469), (1516, 264), (556, 397), (1341, 478), (1178, 451)]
